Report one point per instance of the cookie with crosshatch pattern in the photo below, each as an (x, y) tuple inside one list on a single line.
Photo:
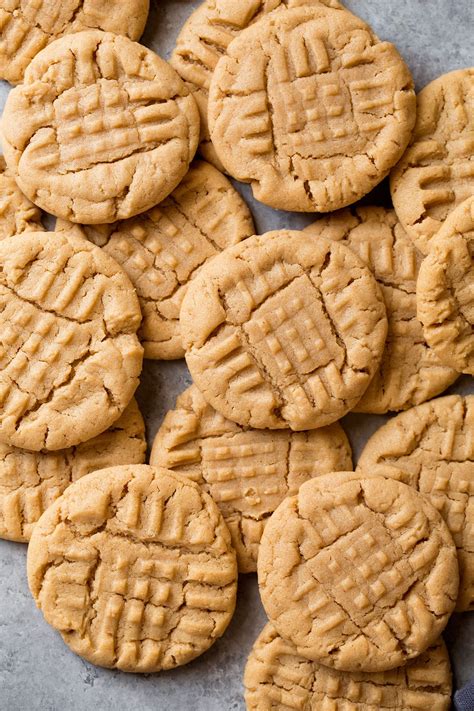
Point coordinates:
[(133, 565), (310, 108), (436, 173), (31, 481), (277, 677), (100, 130), (17, 213), (247, 472), (284, 330), (162, 249), (359, 572), (431, 447)]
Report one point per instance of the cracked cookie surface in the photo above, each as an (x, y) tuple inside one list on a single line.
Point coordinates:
[(101, 129), (436, 173), (69, 355), (284, 330), (431, 448), (359, 573), (134, 566), (205, 37), (247, 472), (445, 290), (17, 213), (277, 678), (164, 248), (310, 108), (410, 371), (31, 481)]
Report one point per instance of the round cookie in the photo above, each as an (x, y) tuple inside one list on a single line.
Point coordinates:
[(277, 677), (436, 173), (27, 26), (164, 248), (133, 565), (101, 129), (247, 472), (410, 372), (31, 481), (311, 108), (445, 290), (69, 355), (431, 448), (17, 213), (360, 573), (205, 37), (284, 330)]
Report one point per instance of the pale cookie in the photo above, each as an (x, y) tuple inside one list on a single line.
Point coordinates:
[(311, 108), (359, 573), (31, 481), (284, 330), (277, 678), (164, 248), (437, 171), (410, 372), (27, 26), (205, 37), (101, 129), (431, 447), (17, 213), (445, 290), (133, 565), (69, 355), (247, 472)]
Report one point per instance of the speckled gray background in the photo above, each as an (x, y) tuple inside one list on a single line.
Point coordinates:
[(37, 671)]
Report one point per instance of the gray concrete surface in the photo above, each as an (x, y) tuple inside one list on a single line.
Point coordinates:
[(37, 671)]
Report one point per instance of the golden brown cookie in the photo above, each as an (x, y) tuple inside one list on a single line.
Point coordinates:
[(277, 678), (284, 330), (69, 354), (27, 26), (164, 248), (310, 108), (445, 290), (133, 566), (247, 472), (359, 573), (410, 371), (17, 213), (31, 481), (205, 37), (437, 171), (431, 448), (101, 129)]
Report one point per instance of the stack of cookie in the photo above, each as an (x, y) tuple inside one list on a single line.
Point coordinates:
[(154, 254)]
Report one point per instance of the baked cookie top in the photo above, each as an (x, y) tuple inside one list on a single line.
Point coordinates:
[(437, 171), (358, 573), (17, 213), (133, 565), (445, 290), (284, 330), (410, 371), (247, 472), (277, 677), (431, 448), (162, 249), (310, 108), (31, 481), (101, 129), (28, 26), (69, 354)]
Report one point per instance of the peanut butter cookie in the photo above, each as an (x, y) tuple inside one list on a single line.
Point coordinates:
[(133, 566), (284, 330), (247, 472), (360, 574), (101, 129), (17, 213)]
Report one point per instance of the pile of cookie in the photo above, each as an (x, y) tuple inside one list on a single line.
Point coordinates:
[(154, 255)]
